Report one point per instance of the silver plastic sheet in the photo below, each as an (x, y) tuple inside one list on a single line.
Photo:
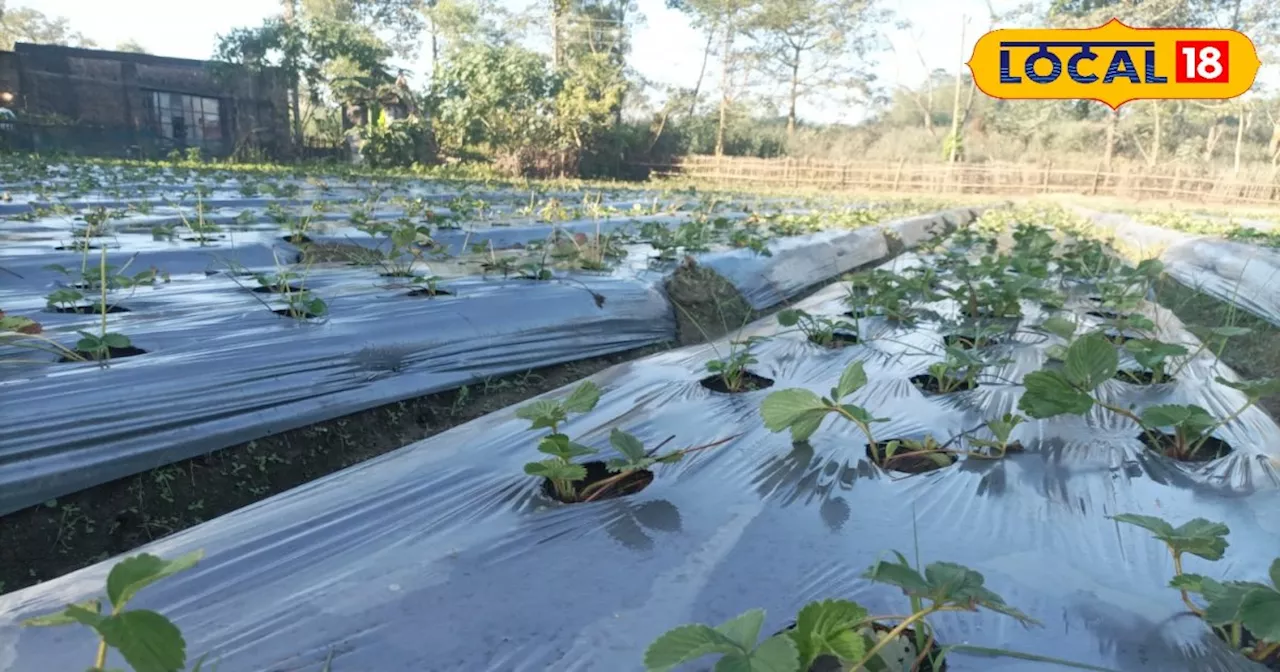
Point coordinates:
[(444, 556), (1245, 275), (799, 263), (221, 369)]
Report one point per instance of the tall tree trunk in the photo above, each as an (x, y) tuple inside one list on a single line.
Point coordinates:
[(289, 11), (1153, 157), (726, 70), (559, 9), (706, 55), (954, 154), (1242, 124), (435, 53), (1113, 125), (1211, 139), (794, 93)]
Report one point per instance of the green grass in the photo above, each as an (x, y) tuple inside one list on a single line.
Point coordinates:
[(1256, 355)]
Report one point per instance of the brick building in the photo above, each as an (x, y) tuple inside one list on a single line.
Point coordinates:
[(90, 101)]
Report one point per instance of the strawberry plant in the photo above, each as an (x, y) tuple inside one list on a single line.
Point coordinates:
[(571, 482), (1001, 432), (303, 305), (1091, 360), (802, 412), (913, 456), (821, 331), (147, 640), (426, 285), (974, 336), (1153, 356), (1245, 614), (730, 373), (842, 634), (958, 371)]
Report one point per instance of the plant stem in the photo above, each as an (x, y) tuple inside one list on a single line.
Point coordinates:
[(1260, 654), (894, 634), (100, 662), (1204, 436), (1177, 571), (600, 487)]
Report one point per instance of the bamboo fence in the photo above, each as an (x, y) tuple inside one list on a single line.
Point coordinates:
[(1254, 185)]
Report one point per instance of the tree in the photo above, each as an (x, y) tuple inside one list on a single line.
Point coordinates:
[(817, 46), (494, 99), (729, 18), (132, 46), (341, 60), (29, 25), (453, 24), (400, 21)]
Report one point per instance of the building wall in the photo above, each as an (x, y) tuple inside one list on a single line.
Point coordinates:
[(106, 89)]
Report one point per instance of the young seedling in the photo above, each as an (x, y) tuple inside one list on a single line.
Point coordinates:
[(914, 455), (732, 369), (975, 336), (958, 371), (1153, 356), (1088, 362), (843, 634), (1232, 608), (147, 640), (1193, 426), (819, 330), (1001, 430), (562, 472), (802, 411), (426, 285), (1091, 360)]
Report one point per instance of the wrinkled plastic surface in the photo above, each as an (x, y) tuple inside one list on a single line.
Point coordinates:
[(1245, 275), (798, 263), (445, 556), (221, 369)]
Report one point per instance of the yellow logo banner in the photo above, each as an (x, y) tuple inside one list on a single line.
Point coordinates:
[(1114, 64)]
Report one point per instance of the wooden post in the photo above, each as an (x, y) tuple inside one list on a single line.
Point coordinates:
[(1044, 183), (897, 177), (1173, 184), (1097, 177)]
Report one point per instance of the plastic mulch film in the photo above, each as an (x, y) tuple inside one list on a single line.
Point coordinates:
[(445, 556), (799, 263), (221, 369), (1245, 275)]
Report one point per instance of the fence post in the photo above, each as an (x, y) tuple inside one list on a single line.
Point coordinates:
[(1044, 184), (1173, 182), (1097, 176)]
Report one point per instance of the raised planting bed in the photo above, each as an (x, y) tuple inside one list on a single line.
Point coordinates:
[(772, 499), (1243, 270), (216, 352)]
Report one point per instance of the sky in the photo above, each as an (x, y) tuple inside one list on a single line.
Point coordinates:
[(664, 48)]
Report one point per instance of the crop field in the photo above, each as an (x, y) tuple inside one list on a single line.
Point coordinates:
[(340, 415)]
